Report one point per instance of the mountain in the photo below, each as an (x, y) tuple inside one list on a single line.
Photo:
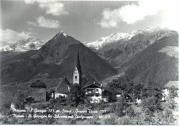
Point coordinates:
[(121, 51), (54, 59), (123, 37), (155, 65), (147, 57), (30, 43)]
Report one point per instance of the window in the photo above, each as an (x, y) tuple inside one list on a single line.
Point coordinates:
[(75, 77), (97, 95), (96, 90)]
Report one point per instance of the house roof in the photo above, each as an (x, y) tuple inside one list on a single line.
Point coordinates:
[(63, 86), (92, 85), (38, 84), (172, 84)]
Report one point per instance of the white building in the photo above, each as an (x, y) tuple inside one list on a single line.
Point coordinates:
[(62, 89), (169, 88), (93, 92)]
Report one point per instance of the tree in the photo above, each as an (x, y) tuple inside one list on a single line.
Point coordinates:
[(19, 99), (151, 104), (76, 95)]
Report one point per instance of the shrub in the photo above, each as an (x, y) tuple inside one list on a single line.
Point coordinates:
[(151, 103), (118, 108)]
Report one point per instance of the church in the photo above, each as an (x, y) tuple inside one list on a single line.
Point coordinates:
[(92, 89)]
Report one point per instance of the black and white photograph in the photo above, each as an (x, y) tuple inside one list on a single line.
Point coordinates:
[(89, 62)]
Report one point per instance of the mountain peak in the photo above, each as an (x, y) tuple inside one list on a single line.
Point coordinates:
[(61, 33)]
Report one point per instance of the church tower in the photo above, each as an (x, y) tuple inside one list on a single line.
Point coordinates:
[(77, 72)]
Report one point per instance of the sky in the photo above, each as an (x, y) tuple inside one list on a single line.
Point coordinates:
[(84, 20)]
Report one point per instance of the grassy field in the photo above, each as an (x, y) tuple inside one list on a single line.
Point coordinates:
[(112, 113)]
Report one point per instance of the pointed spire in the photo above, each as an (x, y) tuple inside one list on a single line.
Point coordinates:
[(78, 63)]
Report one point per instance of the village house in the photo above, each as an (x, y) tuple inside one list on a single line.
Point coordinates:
[(169, 90), (38, 91), (93, 92)]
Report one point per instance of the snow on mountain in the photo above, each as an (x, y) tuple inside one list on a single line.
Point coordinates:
[(109, 39), (30, 43), (61, 33), (117, 37), (26, 44)]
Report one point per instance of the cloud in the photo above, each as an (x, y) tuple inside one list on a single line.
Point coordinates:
[(45, 22), (129, 14), (171, 18), (53, 7), (132, 13), (9, 36)]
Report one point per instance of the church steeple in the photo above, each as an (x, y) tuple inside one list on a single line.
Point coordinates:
[(77, 71), (78, 65)]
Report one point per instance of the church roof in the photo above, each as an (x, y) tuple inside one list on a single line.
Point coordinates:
[(38, 84), (63, 86)]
